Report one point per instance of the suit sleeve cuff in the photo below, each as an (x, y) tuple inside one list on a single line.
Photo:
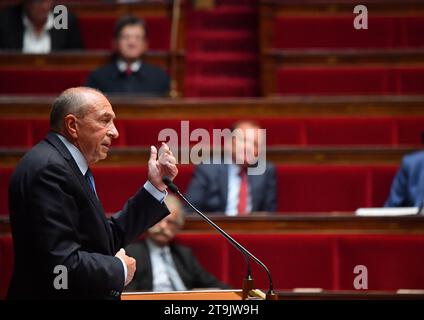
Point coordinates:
[(158, 195), (125, 270)]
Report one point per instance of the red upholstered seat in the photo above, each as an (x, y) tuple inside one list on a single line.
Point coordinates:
[(97, 32), (294, 260), (297, 260), (338, 32), (393, 261), (146, 131), (6, 264), (40, 81), (210, 250), (343, 131), (410, 131), (301, 188), (380, 184), (321, 188), (5, 173), (350, 80), (350, 131), (332, 80), (317, 260), (14, 133), (40, 128), (412, 30), (115, 185), (410, 80)]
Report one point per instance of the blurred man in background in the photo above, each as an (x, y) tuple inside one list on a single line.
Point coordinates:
[(408, 185), (163, 265), (29, 27), (127, 73), (228, 188)]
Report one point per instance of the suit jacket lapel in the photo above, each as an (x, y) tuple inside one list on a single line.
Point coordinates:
[(420, 191), (182, 272), (145, 267), (56, 38), (254, 184), (55, 141)]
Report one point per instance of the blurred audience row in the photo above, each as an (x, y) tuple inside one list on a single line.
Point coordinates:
[(29, 27)]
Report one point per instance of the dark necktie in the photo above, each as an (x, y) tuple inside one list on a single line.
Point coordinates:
[(242, 205), (90, 180), (167, 268), (128, 71)]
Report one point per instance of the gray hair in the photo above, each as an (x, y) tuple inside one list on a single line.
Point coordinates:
[(71, 101)]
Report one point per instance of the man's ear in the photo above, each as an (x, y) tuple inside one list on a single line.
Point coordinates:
[(70, 126)]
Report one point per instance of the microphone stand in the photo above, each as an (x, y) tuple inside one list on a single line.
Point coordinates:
[(248, 283)]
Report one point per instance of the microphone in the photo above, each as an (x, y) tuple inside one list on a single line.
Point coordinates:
[(248, 281)]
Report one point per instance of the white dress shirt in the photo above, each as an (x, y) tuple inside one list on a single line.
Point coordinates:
[(37, 42), (234, 191), (163, 271), (122, 65)]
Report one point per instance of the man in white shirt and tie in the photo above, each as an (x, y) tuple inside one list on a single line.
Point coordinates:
[(163, 265), (29, 27)]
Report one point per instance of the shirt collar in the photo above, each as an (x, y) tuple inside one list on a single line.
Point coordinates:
[(234, 169), (122, 65), (47, 26), (154, 248), (76, 154)]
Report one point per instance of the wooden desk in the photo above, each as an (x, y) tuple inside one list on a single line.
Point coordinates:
[(184, 295), (310, 223), (324, 223), (284, 155), (351, 295), (188, 108)]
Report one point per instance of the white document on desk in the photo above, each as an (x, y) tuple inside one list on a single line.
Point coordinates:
[(387, 212)]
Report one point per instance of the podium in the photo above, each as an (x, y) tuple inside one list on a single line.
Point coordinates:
[(184, 295)]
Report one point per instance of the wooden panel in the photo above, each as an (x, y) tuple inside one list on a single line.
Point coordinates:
[(325, 223), (126, 107), (348, 56), (270, 9), (290, 155), (351, 295), (91, 60), (273, 59)]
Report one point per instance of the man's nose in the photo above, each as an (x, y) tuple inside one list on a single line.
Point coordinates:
[(113, 132), (162, 224)]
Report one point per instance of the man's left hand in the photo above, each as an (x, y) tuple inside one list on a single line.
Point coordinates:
[(160, 167)]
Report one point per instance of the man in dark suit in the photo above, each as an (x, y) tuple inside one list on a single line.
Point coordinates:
[(228, 188), (163, 265), (127, 73), (65, 247), (408, 185), (29, 27)]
